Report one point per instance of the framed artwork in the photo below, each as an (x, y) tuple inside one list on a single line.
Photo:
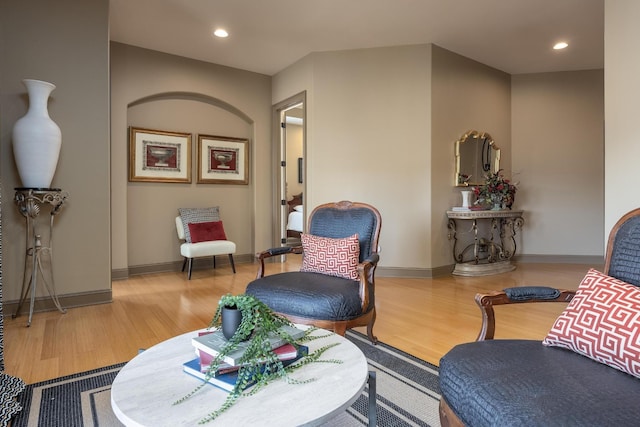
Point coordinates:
[(223, 160), (159, 156)]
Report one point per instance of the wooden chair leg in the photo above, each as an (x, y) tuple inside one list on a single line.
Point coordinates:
[(340, 328), (184, 263), (372, 338), (190, 266), (233, 266), (214, 262)]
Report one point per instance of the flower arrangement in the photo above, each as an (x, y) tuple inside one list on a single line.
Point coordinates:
[(496, 191)]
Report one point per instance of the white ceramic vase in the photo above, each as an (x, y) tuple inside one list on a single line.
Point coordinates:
[(466, 198), (37, 138)]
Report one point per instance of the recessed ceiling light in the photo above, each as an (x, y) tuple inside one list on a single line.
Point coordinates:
[(221, 33), (560, 45)]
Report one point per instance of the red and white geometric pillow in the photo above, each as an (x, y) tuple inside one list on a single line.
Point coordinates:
[(333, 257), (602, 322)]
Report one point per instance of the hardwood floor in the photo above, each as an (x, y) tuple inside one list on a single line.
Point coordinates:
[(423, 317)]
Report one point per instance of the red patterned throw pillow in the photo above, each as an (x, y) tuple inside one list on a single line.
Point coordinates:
[(333, 257), (206, 231), (602, 322)]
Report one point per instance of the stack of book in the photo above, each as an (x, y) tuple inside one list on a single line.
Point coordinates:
[(208, 345)]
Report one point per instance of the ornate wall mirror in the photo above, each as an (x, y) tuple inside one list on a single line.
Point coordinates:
[(476, 155)]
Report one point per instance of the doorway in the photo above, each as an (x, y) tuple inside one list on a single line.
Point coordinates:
[(291, 176)]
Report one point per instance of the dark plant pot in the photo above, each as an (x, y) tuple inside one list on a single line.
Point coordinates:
[(231, 319)]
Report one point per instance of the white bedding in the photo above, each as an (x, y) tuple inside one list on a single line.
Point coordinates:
[(294, 222)]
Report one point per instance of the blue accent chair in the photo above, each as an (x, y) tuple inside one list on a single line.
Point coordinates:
[(321, 300), (523, 383)]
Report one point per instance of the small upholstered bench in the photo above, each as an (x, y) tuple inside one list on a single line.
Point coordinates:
[(586, 372)]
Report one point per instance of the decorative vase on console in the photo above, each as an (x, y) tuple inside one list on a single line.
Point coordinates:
[(37, 138), (466, 198)]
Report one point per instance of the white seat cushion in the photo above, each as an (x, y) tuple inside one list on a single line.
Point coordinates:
[(216, 247)]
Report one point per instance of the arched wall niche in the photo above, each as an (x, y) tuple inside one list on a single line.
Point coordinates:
[(152, 206), (193, 96)]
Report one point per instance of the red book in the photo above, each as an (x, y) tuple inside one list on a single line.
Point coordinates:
[(284, 352)]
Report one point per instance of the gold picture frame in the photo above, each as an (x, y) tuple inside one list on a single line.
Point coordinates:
[(159, 156), (223, 160)]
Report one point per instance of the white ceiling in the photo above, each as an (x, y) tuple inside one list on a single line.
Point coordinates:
[(266, 36)]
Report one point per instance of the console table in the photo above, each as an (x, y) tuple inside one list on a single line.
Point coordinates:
[(484, 241), (29, 201)]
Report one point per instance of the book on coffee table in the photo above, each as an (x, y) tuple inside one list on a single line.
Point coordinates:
[(213, 342), (224, 381), (227, 380), (284, 352)]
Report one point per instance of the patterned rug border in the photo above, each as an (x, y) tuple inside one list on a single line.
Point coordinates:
[(78, 375), (363, 337)]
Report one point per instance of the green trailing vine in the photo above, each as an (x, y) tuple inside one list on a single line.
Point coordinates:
[(260, 364)]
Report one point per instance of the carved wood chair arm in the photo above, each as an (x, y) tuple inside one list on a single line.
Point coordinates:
[(518, 295), (366, 271), (271, 252), (363, 289)]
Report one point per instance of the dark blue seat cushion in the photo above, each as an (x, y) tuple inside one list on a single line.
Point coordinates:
[(523, 383), (311, 295)]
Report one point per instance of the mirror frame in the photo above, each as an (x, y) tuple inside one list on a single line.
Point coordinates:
[(458, 180)]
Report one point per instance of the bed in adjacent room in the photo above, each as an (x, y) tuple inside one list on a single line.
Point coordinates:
[(295, 220)]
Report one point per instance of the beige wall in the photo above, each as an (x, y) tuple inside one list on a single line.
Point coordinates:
[(367, 138), (466, 95), (152, 207), (426, 90), (383, 123), (46, 40), (622, 110), (194, 97), (558, 149)]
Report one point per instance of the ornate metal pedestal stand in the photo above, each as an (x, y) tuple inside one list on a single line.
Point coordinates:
[(29, 201)]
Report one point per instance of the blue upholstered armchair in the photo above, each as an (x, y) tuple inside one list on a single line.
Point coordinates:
[(584, 373), (335, 288)]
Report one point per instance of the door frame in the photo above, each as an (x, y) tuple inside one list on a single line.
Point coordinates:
[(280, 155)]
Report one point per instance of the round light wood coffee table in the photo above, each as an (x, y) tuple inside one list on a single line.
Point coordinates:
[(144, 391)]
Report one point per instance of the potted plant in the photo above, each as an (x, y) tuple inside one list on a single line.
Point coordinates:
[(259, 364)]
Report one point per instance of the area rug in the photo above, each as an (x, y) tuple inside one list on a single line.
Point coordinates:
[(407, 394)]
